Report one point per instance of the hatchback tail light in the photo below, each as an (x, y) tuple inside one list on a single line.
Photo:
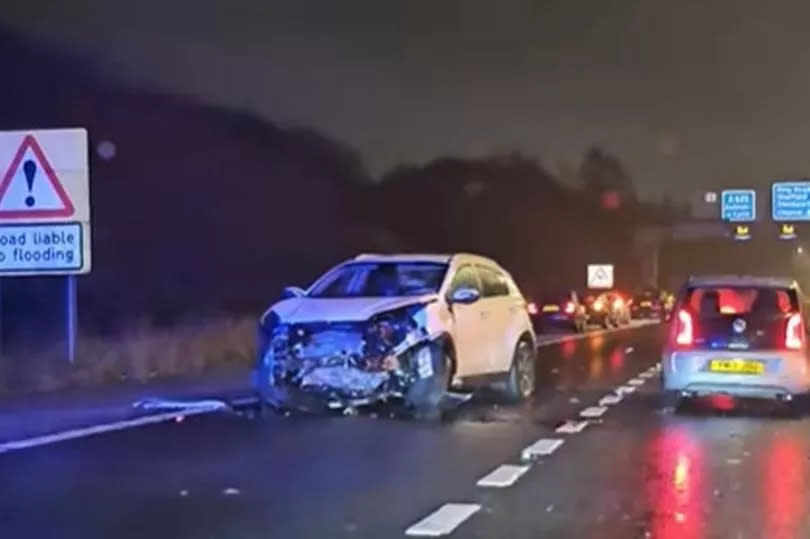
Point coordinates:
[(684, 329), (570, 307), (532, 308), (794, 332)]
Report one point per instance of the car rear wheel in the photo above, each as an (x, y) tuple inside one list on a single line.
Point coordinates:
[(522, 375), (672, 401)]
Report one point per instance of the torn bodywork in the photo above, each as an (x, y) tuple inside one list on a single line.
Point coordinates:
[(345, 364)]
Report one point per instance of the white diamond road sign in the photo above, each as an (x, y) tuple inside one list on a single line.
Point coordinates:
[(44, 202), (600, 275), (790, 201), (738, 205)]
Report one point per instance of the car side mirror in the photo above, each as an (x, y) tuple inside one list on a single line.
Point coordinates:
[(290, 292), (465, 295)]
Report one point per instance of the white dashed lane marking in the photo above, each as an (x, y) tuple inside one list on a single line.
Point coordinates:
[(541, 448), (593, 411), (448, 517), (610, 399), (571, 427), (502, 476), (444, 520)]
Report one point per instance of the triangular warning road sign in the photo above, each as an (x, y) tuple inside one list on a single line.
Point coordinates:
[(30, 188)]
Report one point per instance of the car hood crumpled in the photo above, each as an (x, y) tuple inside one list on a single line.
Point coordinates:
[(301, 310)]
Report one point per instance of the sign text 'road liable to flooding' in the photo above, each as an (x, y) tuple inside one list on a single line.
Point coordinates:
[(43, 247)]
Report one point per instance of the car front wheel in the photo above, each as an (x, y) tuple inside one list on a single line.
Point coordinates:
[(522, 375)]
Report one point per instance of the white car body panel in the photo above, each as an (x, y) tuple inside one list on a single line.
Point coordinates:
[(484, 343)]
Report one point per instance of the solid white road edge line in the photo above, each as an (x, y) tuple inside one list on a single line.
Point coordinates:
[(621, 390), (444, 520), (502, 476), (99, 429), (571, 427), (541, 448), (593, 411), (636, 382)]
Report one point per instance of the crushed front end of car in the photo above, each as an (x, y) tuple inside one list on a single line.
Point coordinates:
[(313, 366)]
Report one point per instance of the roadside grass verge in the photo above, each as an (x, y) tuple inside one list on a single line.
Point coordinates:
[(139, 354)]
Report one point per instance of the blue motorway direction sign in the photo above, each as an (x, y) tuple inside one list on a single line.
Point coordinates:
[(790, 201), (738, 205)]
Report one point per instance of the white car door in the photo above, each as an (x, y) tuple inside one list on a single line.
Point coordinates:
[(497, 311), (468, 324)]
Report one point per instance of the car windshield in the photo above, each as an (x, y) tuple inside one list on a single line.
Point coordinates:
[(716, 301), (380, 279)]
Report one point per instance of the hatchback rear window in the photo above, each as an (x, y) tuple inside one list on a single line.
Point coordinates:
[(714, 301)]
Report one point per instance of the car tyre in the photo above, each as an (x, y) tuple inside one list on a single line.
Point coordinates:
[(425, 396), (672, 400), (798, 406), (522, 376)]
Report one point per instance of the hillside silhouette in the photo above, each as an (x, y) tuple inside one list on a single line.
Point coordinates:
[(203, 210)]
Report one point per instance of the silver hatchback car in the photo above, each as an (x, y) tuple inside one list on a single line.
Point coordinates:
[(740, 336)]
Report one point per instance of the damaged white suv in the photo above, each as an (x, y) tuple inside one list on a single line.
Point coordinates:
[(409, 327)]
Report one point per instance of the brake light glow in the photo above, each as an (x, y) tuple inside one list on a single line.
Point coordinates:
[(794, 332), (685, 329), (597, 305), (569, 307), (532, 308), (618, 303)]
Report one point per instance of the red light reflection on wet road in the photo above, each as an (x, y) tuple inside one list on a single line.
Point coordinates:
[(569, 347), (616, 360), (783, 486), (674, 485)]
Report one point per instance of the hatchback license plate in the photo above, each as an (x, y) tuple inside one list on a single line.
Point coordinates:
[(550, 308), (737, 366)]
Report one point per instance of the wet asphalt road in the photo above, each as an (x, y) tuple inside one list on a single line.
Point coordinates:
[(636, 471)]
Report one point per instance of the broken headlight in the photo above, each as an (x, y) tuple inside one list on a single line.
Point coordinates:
[(390, 334)]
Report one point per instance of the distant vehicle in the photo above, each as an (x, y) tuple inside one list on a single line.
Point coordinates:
[(559, 311), (409, 327), (648, 304), (607, 309), (737, 335)]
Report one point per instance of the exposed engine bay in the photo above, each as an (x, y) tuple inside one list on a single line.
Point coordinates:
[(349, 363)]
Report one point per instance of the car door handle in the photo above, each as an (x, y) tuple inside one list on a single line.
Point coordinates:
[(484, 315)]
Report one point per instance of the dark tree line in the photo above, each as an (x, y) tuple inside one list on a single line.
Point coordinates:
[(204, 211)]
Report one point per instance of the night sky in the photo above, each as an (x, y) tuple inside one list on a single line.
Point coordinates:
[(690, 94)]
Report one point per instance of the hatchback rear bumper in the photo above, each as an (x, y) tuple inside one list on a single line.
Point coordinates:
[(786, 374)]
